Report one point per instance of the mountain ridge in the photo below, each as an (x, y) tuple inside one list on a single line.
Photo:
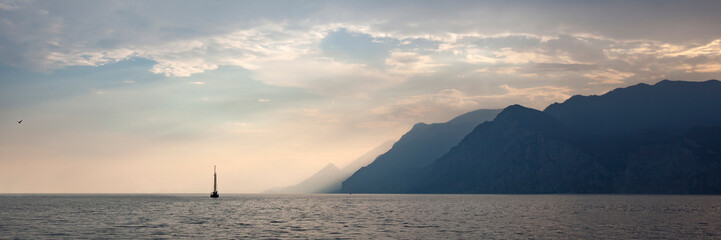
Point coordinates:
[(329, 178), (416, 149), (661, 138)]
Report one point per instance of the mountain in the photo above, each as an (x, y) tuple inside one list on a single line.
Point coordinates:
[(328, 179), (366, 158), (662, 138), (628, 118), (324, 180), (521, 151), (418, 148), (690, 164), (667, 105)]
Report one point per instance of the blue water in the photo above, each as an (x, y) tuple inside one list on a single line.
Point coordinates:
[(360, 216)]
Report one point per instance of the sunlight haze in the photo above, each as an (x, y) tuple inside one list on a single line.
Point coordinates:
[(146, 96)]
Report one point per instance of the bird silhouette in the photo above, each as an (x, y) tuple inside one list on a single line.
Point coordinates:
[(21, 121)]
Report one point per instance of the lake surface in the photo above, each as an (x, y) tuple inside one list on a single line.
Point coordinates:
[(360, 216)]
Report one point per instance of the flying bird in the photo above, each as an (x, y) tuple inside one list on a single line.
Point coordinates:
[(21, 121)]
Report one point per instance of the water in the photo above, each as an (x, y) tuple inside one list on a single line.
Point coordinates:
[(360, 216)]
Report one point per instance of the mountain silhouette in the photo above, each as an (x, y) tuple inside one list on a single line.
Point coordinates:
[(522, 151), (325, 180), (329, 178), (667, 105), (661, 138), (366, 158), (418, 148)]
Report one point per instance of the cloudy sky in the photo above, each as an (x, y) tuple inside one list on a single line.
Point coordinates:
[(146, 96)]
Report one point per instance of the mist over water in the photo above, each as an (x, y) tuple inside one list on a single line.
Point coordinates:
[(360, 216)]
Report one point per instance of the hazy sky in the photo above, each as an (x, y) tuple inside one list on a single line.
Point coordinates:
[(146, 96)]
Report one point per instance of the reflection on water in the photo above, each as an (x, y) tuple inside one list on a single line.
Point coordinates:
[(360, 216)]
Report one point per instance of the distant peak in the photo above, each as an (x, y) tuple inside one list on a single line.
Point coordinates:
[(678, 82), (516, 111), (330, 166), (516, 108), (639, 89), (666, 81), (473, 116), (420, 125)]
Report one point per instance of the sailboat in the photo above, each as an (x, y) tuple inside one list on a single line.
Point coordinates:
[(214, 194)]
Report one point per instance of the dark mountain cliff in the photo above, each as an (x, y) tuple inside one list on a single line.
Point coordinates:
[(662, 138), (418, 148), (521, 151), (667, 105)]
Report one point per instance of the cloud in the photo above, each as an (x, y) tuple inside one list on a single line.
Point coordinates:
[(434, 107), (384, 47), (416, 107), (559, 67), (410, 63), (578, 49), (607, 76), (11, 5), (97, 92), (707, 68), (534, 96), (325, 76), (357, 47), (247, 49), (333, 69)]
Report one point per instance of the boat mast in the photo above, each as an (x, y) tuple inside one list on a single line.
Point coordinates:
[(215, 180)]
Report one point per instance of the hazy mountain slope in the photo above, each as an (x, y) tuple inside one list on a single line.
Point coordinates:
[(325, 180), (418, 148), (330, 177), (366, 158)]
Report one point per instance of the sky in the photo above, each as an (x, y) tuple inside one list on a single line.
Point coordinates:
[(146, 96)]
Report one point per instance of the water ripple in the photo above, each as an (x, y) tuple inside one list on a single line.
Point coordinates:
[(359, 216)]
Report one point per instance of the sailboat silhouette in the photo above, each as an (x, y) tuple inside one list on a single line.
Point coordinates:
[(214, 194)]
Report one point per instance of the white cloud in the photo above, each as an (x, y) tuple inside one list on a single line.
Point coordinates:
[(534, 96), (499, 70), (264, 46), (326, 76), (713, 48), (607, 76), (711, 67), (245, 48), (410, 63), (415, 107), (180, 69), (435, 107)]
